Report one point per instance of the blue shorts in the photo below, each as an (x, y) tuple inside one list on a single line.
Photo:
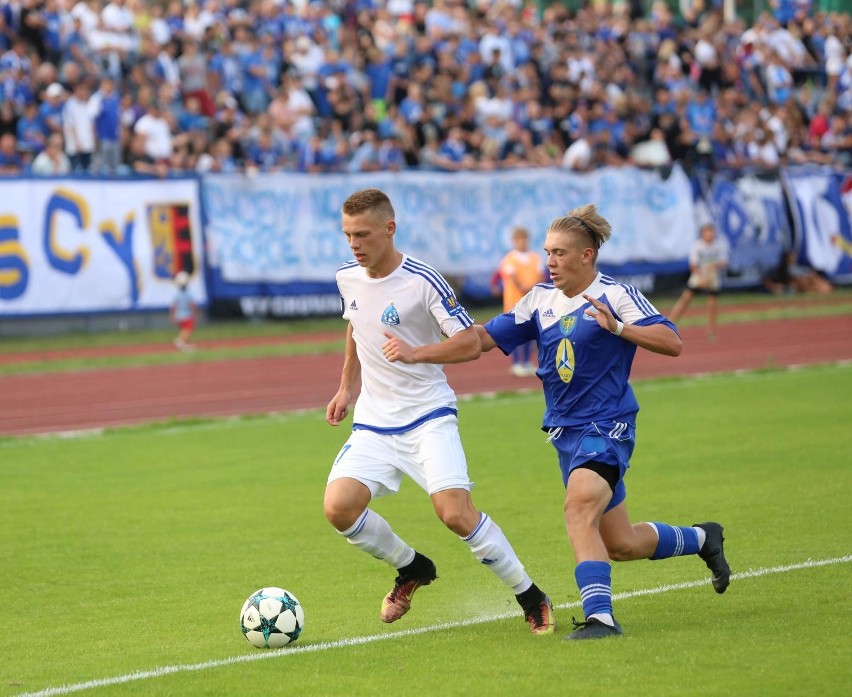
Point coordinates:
[(608, 442)]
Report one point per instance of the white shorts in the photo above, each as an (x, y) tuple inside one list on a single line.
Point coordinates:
[(431, 454)]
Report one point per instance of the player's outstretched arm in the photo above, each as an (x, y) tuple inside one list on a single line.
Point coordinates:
[(485, 339), (338, 407), (655, 337), (460, 347)]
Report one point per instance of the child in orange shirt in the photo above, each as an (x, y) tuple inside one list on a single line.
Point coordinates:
[(519, 271)]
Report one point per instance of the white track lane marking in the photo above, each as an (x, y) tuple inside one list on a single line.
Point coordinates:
[(358, 641), (487, 398)]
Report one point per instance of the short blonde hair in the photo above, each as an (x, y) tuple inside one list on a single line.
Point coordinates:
[(586, 222), (369, 201)]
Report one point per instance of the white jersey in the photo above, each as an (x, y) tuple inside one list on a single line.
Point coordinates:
[(416, 304), (706, 259)]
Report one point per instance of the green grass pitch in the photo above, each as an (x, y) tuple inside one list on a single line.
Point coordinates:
[(133, 551)]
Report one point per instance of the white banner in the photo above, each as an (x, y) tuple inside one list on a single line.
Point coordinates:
[(286, 228), (749, 213), (74, 245), (822, 214)]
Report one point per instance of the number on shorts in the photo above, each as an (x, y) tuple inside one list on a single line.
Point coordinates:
[(341, 453)]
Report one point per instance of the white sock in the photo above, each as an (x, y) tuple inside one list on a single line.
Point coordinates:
[(490, 546), (604, 617), (372, 534), (702, 536)]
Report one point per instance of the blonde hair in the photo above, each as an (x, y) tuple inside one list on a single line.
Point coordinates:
[(373, 201), (586, 222)]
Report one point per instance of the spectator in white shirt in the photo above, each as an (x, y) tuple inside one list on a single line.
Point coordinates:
[(157, 134), (52, 160), (78, 126), (117, 18), (88, 12), (493, 40)]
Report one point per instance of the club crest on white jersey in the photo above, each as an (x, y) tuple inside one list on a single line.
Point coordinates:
[(390, 316)]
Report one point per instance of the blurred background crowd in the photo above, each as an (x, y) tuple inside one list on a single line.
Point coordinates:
[(152, 87)]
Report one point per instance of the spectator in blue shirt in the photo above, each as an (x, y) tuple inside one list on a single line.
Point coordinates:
[(52, 32), (192, 119), (452, 152), (106, 106), (701, 114), (390, 155), (226, 69), (378, 70), (310, 155), (50, 111), (265, 153), (10, 160), (16, 58), (30, 133), (6, 32), (261, 68), (174, 18), (366, 155)]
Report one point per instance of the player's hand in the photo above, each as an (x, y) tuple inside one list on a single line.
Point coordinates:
[(338, 407), (395, 349), (603, 316)]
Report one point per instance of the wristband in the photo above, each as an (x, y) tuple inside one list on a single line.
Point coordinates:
[(619, 327)]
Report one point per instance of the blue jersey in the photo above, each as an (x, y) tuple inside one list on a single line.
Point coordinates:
[(584, 369), (182, 304)]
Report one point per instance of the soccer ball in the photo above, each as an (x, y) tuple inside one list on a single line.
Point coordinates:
[(272, 618)]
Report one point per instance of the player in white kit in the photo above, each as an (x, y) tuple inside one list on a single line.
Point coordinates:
[(405, 418)]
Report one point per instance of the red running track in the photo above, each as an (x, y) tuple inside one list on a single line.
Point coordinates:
[(56, 402)]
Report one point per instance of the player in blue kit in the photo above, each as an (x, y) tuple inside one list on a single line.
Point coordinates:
[(587, 327), (405, 418)]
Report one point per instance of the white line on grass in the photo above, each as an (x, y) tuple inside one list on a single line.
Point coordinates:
[(358, 641)]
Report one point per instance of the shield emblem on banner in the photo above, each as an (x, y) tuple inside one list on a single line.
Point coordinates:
[(171, 238)]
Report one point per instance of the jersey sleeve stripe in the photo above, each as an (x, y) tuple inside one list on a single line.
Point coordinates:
[(641, 303), (428, 272), (428, 279), (347, 265), (646, 307), (465, 319), (434, 279)]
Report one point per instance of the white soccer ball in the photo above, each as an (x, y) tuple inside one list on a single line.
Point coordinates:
[(272, 618)]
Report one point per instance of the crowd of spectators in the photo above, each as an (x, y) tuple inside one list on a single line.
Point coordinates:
[(167, 86)]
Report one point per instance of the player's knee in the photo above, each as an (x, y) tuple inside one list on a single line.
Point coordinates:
[(579, 513), (341, 514), (461, 519), (455, 519), (620, 552)]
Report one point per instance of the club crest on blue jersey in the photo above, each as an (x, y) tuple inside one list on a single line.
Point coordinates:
[(390, 316), (566, 324), (565, 360), (451, 305)]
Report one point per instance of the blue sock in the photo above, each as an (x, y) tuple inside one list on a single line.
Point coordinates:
[(595, 583), (674, 541)]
